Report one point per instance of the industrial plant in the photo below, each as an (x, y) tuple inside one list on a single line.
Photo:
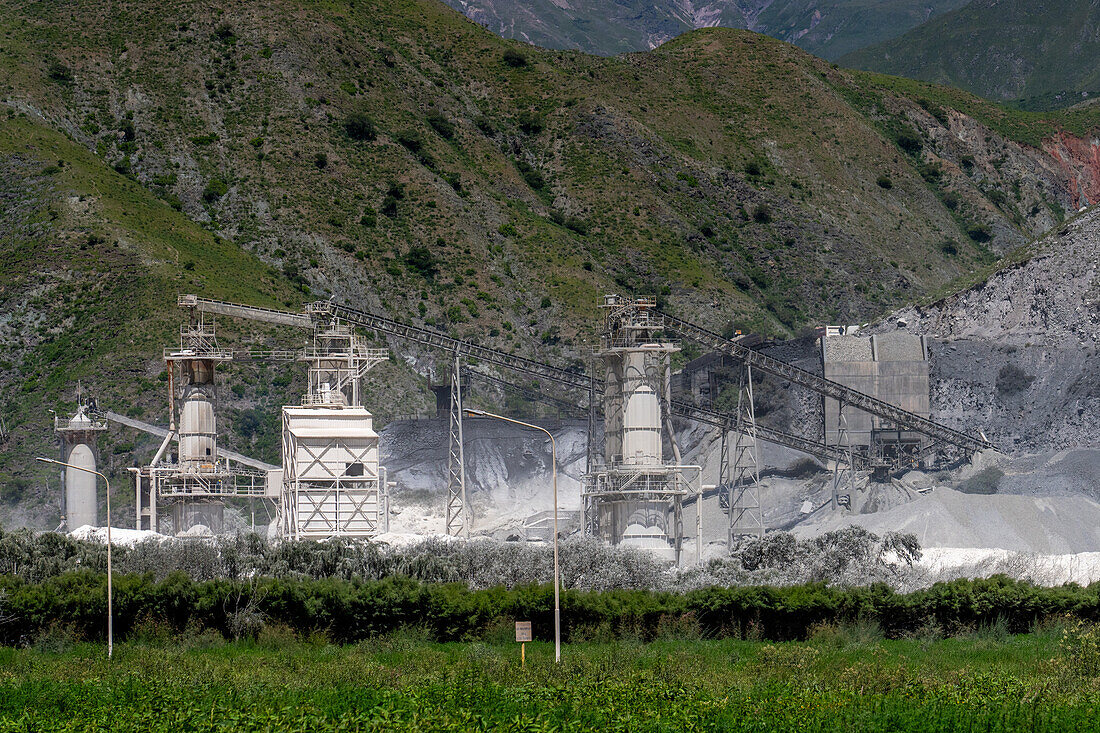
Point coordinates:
[(873, 394)]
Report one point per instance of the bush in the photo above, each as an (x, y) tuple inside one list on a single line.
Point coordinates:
[(59, 72), (420, 261), (513, 58), (320, 160), (441, 125), (1081, 645), (979, 232), (359, 127), (884, 182), (410, 140), (214, 190), (1011, 380), (533, 178), (529, 122), (762, 214), (909, 142)]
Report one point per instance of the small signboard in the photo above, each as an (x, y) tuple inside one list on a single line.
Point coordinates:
[(523, 631)]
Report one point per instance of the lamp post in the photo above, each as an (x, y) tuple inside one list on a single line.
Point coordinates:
[(554, 481), (110, 608)]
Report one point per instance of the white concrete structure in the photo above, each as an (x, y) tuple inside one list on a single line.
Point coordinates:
[(333, 485), (635, 498), (78, 437)]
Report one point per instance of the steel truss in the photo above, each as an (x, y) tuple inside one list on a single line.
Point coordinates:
[(458, 515), (739, 479)]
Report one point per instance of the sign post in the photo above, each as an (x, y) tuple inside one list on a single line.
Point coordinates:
[(523, 635)]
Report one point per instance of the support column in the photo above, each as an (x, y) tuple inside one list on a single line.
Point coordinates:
[(843, 473), (458, 524), (746, 512)]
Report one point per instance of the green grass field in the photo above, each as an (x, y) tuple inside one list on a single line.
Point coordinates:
[(843, 679)]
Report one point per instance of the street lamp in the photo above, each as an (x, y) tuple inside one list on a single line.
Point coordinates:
[(110, 609), (554, 480)]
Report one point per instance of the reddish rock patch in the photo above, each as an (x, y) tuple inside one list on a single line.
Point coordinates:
[(1080, 162)]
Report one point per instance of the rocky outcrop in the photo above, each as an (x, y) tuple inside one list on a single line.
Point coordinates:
[(1079, 159), (1015, 357)]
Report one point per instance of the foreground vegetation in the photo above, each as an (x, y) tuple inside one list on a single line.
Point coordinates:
[(843, 678)]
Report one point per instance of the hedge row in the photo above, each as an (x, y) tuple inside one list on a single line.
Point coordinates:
[(350, 611)]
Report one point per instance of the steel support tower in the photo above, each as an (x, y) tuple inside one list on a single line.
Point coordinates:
[(458, 515)]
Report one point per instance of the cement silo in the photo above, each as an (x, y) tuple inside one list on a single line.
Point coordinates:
[(78, 438)]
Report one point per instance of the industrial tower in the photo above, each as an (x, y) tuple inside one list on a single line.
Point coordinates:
[(636, 497), (78, 434), (196, 484), (333, 483)]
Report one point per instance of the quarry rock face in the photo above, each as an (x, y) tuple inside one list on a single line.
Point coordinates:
[(1015, 357), (1080, 161)]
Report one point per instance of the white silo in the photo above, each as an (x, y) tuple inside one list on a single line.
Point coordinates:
[(78, 436)]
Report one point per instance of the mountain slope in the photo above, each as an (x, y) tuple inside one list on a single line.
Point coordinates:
[(826, 28), (1037, 56), (396, 156), (91, 261)]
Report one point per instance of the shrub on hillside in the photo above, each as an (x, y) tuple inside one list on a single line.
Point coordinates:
[(420, 261), (441, 124), (909, 142), (979, 232), (410, 140), (359, 127), (515, 59), (214, 190), (530, 122)]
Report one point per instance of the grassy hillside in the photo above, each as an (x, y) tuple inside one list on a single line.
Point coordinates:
[(91, 266), (827, 29), (1034, 56), (394, 155)]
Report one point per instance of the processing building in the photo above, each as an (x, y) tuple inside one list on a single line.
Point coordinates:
[(891, 367)]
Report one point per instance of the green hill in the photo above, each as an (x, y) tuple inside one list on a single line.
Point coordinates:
[(394, 155), (1035, 56)]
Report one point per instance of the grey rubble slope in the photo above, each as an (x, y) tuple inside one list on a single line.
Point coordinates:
[(1016, 355)]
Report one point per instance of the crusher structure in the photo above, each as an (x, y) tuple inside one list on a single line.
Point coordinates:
[(194, 484), (78, 434), (635, 497), (333, 482)]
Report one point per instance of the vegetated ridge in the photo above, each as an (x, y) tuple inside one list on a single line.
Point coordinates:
[(396, 156), (828, 29), (1032, 55)]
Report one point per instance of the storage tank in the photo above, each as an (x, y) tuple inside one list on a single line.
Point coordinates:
[(197, 431), (642, 427), (78, 435), (80, 488)]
